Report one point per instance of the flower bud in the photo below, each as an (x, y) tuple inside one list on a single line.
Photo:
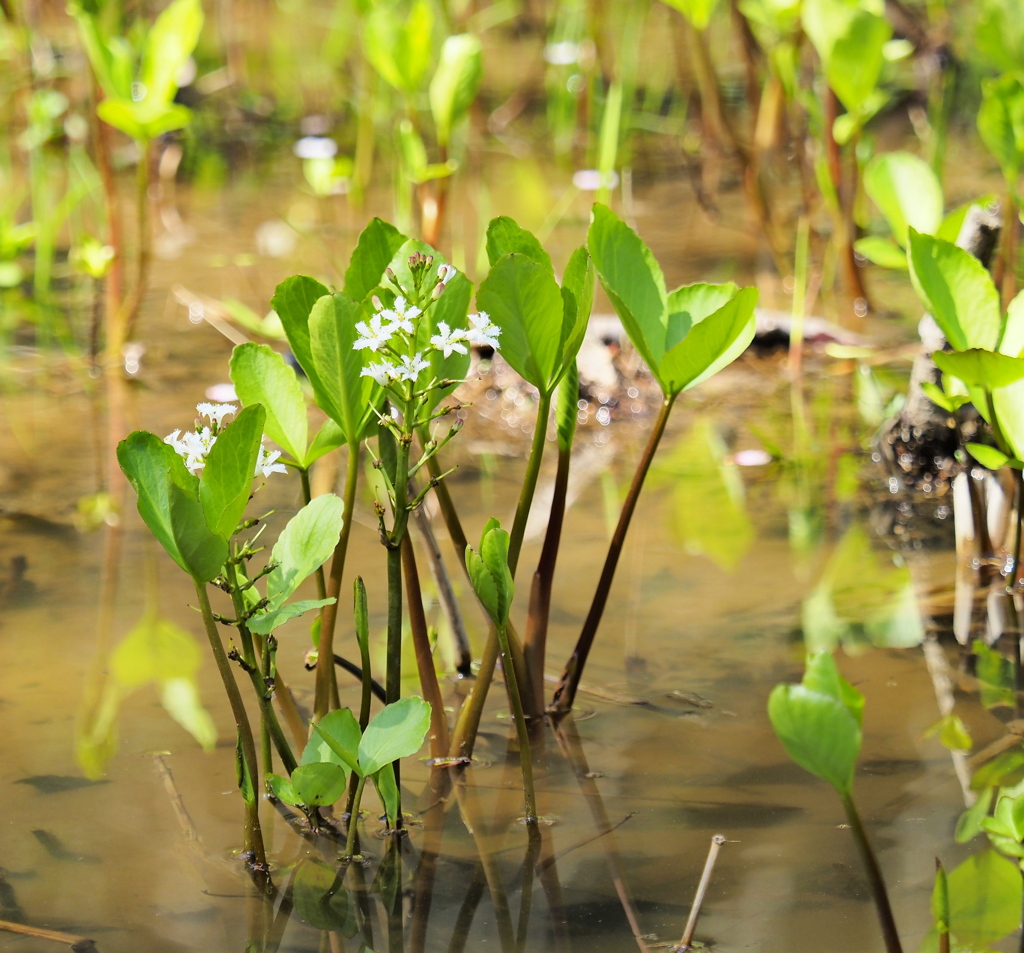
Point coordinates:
[(438, 291), (377, 303)]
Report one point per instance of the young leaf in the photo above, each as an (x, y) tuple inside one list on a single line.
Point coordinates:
[(984, 899), (950, 403), (819, 726), (524, 300), (261, 376), (455, 83), (989, 457), (489, 572), (710, 345), (577, 303), (293, 301), (969, 825), (337, 732), (169, 44), (319, 784), (1001, 123), (304, 544), (169, 505), (346, 396), (395, 732), (226, 482), (883, 252), (377, 245), (399, 46), (907, 192), (632, 280), (505, 236), (283, 789), (980, 368), (958, 291)]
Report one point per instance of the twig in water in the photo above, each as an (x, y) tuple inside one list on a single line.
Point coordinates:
[(698, 898), (79, 944)]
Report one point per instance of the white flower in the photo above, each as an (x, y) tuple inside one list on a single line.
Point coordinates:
[(193, 446), (375, 335), (266, 462), (448, 341), (445, 273), (382, 372), (483, 333), (411, 367), (216, 412), (401, 315)]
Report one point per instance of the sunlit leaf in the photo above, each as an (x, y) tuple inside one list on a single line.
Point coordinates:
[(907, 192), (399, 44), (377, 245), (1001, 123), (167, 49), (226, 482), (180, 698), (336, 730), (395, 732), (698, 12), (319, 784), (883, 252), (261, 376), (293, 301), (455, 82)]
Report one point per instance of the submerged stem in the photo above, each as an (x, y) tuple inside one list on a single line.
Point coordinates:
[(880, 895), (515, 700), (253, 832), (565, 693)]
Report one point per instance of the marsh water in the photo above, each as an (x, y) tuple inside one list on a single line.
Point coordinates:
[(717, 587)]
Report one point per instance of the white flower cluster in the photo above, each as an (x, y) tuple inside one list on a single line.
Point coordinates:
[(377, 334), (195, 445)]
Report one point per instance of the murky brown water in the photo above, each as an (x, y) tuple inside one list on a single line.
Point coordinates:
[(719, 624)]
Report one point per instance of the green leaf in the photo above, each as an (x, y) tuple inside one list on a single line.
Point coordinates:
[(1001, 123), (293, 301), (524, 301), (883, 252), (319, 784), (698, 12), (346, 396), (854, 64), (998, 35), (395, 732), (969, 824), (377, 245), (940, 901), (567, 408), (489, 572), (167, 49), (455, 82), (261, 376), (267, 622), (387, 791), (998, 685), (305, 544), (328, 438), (633, 281), (319, 895), (398, 45), (143, 121), (283, 789), (505, 237), (226, 482), (957, 290), (1002, 771), (952, 733), (907, 192), (819, 722), (169, 505), (951, 403), (577, 303), (989, 457), (984, 899), (336, 739), (711, 344), (1012, 341), (977, 367)]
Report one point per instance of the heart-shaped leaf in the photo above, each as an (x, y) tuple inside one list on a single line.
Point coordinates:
[(395, 732), (319, 784)]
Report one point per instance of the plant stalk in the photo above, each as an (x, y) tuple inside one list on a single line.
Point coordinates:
[(353, 820), (568, 684), (880, 895), (515, 542), (326, 683), (516, 702), (253, 838)]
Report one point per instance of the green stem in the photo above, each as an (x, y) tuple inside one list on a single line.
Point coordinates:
[(878, 892), (468, 722), (565, 693), (253, 832), (363, 638), (326, 683), (540, 434), (353, 820), (525, 761)]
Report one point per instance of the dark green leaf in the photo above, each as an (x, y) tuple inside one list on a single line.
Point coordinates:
[(387, 791), (319, 895), (226, 482), (524, 301), (293, 301), (261, 376), (244, 774), (505, 237), (377, 245)]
